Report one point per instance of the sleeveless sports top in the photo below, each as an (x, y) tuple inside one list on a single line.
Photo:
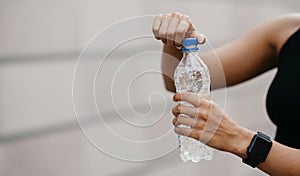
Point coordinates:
[(283, 98)]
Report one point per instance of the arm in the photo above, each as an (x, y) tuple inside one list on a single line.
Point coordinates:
[(212, 126), (248, 56), (282, 160)]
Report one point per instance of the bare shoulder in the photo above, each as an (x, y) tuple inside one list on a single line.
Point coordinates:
[(281, 28)]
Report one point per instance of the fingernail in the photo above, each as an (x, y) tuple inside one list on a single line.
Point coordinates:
[(177, 97), (174, 97), (201, 40), (179, 47)]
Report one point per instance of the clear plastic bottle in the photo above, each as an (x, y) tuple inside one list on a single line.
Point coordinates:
[(192, 75)]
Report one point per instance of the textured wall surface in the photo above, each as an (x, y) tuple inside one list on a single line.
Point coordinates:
[(40, 42)]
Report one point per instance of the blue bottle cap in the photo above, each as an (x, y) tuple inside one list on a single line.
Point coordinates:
[(189, 41), (189, 49)]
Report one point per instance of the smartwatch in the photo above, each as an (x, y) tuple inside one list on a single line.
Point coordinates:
[(258, 149)]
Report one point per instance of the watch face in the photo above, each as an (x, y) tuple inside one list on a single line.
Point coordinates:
[(261, 148)]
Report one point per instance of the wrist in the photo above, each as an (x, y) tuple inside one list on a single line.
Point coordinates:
[(172, 50), (241, 142), (258, 149)]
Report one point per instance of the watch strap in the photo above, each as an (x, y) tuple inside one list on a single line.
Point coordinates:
[(251, 162)]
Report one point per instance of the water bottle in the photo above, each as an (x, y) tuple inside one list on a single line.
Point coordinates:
[(192, 75)]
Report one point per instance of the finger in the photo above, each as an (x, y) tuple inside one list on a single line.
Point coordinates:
[(189, 21), (172, 28), (200, 37), (191, 98), (187, 110), (182, 28), (163, 28), (184, 120), (188, 132), (156, 25), (192, 33), (192, 122)]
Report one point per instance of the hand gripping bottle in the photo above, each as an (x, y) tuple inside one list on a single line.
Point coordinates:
[(192, 75)]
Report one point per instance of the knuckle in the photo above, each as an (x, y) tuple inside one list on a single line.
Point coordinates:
[(205, 103), (205, 113), (178, 108), (184, 24), (155, 30), (174, 110), (174, 14), (200, 115), (187, 18), (157, 18), (165, 16), (200, 124), (181, 32), (198, 100)]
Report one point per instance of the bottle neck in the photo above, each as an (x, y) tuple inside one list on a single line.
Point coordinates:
[(188, 53), (190, 58)]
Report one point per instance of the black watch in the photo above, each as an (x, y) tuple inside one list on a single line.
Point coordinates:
[(258, 149)]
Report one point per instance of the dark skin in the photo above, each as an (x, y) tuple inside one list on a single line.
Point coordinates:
[(250, 55)]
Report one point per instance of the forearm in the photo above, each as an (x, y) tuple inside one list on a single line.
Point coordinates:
[(216, 70), (281, 160)]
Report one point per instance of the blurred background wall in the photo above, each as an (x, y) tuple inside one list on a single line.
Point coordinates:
[(40, 42)]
